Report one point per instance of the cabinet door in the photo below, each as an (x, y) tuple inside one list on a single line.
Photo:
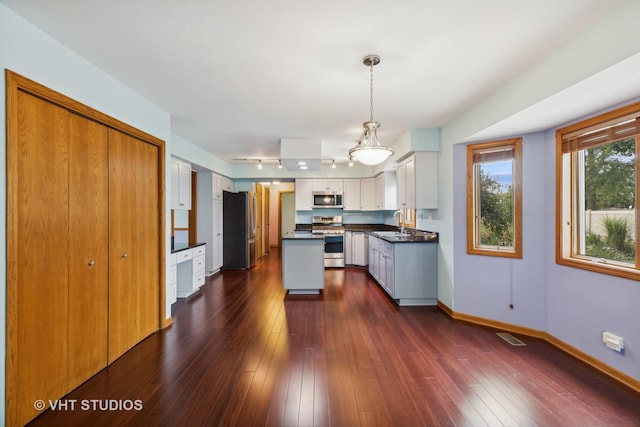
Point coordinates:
[(180, 184), (379, 192), (303, 195), (359, 250), (410, 187), (348, 247), (184, 194), (368, 194), (401, 185), (227, 184), (88, 237), (217, 185), (351, 195), (133, 242), (335, 185), (389, 274)]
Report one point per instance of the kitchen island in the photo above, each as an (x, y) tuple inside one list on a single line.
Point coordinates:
[(405, 265), (303, 263)]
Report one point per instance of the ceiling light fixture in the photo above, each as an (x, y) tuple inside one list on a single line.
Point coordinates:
[(259, 164), (333, 164), (369, 150), (350, 162), (279, 164)]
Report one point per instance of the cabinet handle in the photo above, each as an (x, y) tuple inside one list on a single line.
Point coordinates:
[(125, 255), (91, 263)]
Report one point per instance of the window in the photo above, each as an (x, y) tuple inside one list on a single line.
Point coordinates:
[(596, 196), (409, 217), (494, 206)]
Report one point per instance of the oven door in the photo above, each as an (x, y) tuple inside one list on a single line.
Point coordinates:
[(334, 250)]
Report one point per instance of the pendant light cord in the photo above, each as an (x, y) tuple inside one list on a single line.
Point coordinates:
[(371, 93)]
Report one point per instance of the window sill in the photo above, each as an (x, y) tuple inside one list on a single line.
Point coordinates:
[(606, 267)]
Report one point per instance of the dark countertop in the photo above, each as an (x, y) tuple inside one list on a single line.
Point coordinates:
[(417, 237), (178, 247), (302, 235), (412, 236)]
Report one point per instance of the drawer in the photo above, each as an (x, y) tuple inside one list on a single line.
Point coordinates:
[(198, 279), (199, 250), (198, 264), (185, 255)]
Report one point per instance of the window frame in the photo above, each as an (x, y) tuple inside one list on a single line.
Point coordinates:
[(473, 246), (567, 206)]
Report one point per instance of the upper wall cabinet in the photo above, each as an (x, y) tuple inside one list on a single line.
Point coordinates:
[(180, 184), (331, 185), (303, 195), (351, 198), (368, 194), (220, 184), (385, 191), (417, 181)]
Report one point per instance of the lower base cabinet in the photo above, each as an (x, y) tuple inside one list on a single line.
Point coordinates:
[(408, 272), (190, 269)]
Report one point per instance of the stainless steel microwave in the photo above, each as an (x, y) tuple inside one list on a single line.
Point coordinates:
[(323, 199)]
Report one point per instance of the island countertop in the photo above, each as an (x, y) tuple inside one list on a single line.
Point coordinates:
[(302, 235)]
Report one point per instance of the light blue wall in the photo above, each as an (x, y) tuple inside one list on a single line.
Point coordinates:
[(30, 52), (484, 285), (572, 305), (582, 304)]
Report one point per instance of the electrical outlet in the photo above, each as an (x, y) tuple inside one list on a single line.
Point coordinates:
[(613, 341)]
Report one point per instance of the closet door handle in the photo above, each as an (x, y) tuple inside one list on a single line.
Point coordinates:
[(125, 255), (91, 263)]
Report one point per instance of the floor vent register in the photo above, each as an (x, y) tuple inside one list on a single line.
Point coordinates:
[(510, 339)]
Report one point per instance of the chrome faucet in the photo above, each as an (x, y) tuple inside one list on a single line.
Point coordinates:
[(401, 215)]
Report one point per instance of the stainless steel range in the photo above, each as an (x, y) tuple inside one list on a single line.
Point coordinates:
[(333, 231)]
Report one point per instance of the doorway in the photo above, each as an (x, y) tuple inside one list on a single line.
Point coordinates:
[(287, 210)]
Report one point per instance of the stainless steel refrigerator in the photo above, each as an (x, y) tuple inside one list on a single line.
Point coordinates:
[(239, 230)]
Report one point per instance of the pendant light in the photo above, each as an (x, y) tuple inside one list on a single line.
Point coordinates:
[(369, 150)]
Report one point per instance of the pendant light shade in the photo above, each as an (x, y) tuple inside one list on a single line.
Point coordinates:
[(369, 151)]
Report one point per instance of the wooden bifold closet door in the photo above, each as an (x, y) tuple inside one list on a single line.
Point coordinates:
[(84, 248), (133, 241)]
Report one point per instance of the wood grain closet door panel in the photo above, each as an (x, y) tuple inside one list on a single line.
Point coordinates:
[(88, 240), (147, 237), (122, 280), (38, 329), (134, 246)]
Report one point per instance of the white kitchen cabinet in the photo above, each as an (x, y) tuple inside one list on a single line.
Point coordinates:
[(407, 271), (368, 194), (180, 184), (386, 191), (351, 195), (303, 194), (209, 219), (329, 185), (417, 179), (190, 270), (172, 280), (227, 184), (348, 250), (359, 248)]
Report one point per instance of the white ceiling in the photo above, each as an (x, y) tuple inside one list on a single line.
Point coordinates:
[(239, 75)]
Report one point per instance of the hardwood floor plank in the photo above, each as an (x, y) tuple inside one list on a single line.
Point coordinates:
[(243, 353)]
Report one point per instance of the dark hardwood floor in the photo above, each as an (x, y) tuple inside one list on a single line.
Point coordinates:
[(243, 353)]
